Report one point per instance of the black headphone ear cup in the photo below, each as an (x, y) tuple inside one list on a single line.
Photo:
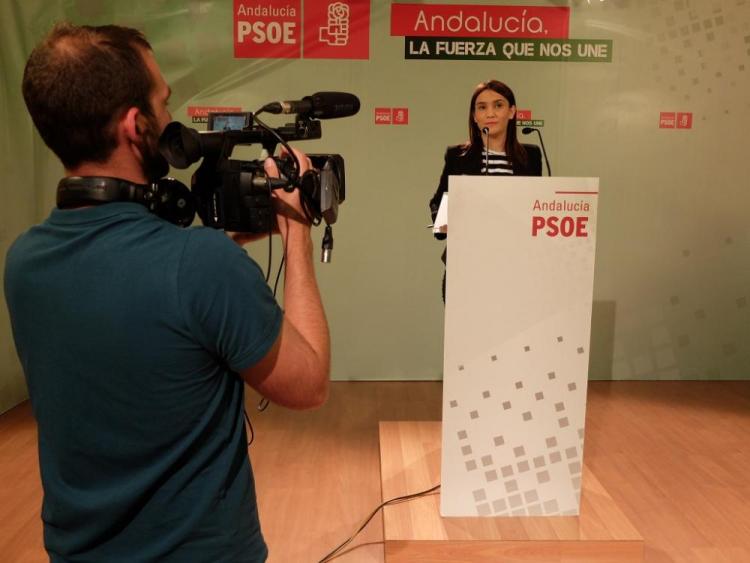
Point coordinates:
[(77, 191), (174, 202), (168, 198)]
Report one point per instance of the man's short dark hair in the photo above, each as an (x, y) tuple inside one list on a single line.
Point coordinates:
[(78, 81)]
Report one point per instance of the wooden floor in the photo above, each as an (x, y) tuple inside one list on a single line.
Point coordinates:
[(674, 455)]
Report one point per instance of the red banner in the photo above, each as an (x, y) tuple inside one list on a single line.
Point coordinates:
[(267, 29), (338, 29), (467, 20)]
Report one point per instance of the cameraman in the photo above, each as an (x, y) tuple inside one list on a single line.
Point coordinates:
[(136, 336)]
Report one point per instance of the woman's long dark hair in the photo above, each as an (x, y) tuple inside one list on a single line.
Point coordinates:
[(515, 151)]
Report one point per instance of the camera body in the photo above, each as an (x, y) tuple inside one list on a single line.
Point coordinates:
[(235, 195)]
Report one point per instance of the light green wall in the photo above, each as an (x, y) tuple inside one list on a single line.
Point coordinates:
[(672, 273)]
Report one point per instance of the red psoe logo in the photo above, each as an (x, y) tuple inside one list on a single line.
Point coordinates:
[(684, 120), (667, 120), (267, 29), (337, 29), (382, 116), (400, 116), (523, 114)]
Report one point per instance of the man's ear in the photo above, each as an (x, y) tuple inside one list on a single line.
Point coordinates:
[(131, 125)]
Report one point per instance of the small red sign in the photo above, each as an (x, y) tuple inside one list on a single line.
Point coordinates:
[(667, 120), (338, 29), (400, 116), (203, 111), (523, 114), (684, 120), (267, 29), (382, 116)]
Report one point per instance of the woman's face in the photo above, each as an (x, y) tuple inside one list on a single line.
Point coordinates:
[(493, 111)]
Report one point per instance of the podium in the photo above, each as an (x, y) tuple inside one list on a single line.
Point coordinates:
[(517, 331)]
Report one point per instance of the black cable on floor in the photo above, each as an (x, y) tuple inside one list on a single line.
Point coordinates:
[(397, 500)]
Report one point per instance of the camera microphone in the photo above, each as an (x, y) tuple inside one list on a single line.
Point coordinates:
[(321, 105)]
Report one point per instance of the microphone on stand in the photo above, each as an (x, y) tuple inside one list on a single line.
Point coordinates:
[(526, 131), (486, 131)]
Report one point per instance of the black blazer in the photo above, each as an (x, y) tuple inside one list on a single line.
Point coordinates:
[(470, 164)]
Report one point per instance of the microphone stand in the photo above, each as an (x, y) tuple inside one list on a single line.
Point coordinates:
[(486, 131), (526, 131)]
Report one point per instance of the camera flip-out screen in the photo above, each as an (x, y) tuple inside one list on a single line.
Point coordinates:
[(229, 121)]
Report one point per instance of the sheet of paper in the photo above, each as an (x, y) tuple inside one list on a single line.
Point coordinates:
[(441, 221)]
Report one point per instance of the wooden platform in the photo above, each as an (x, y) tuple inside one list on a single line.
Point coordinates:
[(414, 531)]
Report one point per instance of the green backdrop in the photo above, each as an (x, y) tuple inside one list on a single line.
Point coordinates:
[(672, 276)]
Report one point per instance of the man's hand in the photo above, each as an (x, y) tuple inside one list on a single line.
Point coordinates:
[(289, 212)]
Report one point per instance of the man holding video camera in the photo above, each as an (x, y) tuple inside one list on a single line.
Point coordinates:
[(137, 336)]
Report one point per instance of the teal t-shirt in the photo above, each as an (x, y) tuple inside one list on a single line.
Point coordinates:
[(131, 332)]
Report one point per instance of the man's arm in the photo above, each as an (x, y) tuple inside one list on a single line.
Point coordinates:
[(294, 373)]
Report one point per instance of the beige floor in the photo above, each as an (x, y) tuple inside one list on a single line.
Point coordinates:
[(674, 455)]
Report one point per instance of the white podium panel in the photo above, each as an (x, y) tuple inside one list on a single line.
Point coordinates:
[(517, 332)]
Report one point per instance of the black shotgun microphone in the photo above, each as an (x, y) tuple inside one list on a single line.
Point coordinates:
[(486, 131), (526, 131), (321, 105)]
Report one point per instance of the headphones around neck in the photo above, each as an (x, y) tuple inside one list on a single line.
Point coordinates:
[(167, 198)]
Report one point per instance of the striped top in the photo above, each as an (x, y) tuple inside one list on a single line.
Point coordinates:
[(496, 163)]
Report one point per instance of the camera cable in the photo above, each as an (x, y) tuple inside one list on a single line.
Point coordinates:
[(264, 402), (297, 166), (397, 500)]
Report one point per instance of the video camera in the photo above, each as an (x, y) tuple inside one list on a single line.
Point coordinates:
[(235, 195)]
